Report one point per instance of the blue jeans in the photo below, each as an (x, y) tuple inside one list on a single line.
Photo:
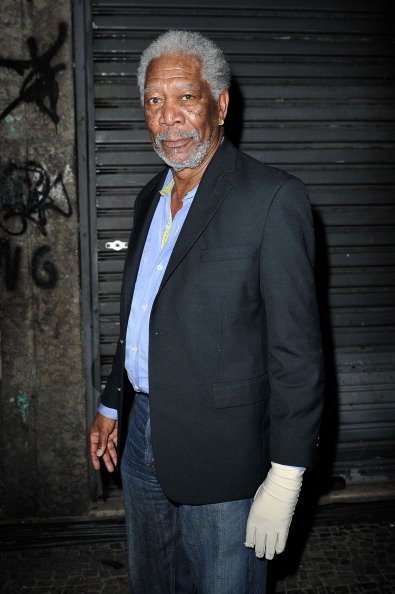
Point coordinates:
[(181, 548)]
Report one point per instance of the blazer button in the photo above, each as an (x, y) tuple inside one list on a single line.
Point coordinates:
[(119, 389), (121, 341)]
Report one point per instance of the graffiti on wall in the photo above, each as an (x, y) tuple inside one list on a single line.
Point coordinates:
[(10, 263), (43, 272), (39, 86), (27, 193)]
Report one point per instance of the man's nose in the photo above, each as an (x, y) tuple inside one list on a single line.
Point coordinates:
[(170, 114)]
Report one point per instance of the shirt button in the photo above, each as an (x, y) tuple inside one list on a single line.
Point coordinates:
[(160, 266), (134, 349), (136, 388), (144, 307)]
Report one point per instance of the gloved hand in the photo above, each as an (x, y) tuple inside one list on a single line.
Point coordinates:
[(272, 510)]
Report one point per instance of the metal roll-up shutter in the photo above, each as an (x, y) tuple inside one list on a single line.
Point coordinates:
[(313, 95)]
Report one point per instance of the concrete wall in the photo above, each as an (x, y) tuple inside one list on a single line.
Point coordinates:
[(42, 405)]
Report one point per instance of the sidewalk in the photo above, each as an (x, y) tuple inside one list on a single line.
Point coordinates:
[(348, 547)]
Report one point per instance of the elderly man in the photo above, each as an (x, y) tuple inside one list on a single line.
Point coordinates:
[(219, 346)]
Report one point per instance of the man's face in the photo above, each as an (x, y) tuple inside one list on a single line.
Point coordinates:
[(181, 114)]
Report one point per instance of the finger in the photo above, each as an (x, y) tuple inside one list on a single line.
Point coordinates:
[(95, 461), (114, 436), (271, 541), (93, 441), (111, 449), (260, 543), (281, 541), (250, 535), (108, 462)]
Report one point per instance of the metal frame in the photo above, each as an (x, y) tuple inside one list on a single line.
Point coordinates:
[(84, 101)]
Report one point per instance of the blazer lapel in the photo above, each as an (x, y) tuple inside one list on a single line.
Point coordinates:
[(141, 225), (211, 192)]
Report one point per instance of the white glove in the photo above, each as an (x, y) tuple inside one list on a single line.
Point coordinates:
[(272, 510)]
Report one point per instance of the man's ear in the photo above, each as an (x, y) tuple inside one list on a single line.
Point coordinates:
[(223, 102)]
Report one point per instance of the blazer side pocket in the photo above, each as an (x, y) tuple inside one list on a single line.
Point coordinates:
[(227, 394)]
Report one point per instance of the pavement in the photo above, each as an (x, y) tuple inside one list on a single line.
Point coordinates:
[(334, 548)]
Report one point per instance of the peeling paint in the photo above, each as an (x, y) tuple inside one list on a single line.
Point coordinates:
[(10, 120), (68, 175), (22, 402)]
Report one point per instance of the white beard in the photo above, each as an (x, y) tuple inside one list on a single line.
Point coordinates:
[(191, 161)]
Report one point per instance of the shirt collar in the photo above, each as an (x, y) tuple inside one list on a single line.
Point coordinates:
[(169, 184)]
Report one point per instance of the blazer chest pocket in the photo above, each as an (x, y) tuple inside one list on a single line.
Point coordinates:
[(232, 252), (228, 394)]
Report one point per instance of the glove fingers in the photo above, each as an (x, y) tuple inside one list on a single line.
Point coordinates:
[(260, 543), (271, 541), (281, 541), (250, 535)]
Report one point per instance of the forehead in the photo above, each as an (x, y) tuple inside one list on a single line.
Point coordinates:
[(177, 67)]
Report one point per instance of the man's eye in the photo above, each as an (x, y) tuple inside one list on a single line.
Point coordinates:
[(153, 100), (187, 97)]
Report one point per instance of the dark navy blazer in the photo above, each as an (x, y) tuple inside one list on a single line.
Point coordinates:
[(235, 354)]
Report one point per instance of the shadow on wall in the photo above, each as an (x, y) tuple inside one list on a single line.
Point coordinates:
[(330, 420), (234, 119)]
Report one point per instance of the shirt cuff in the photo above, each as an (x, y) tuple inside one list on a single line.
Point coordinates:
[(110, 413)]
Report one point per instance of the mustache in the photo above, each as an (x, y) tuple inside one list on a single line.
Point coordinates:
[(175, 135)]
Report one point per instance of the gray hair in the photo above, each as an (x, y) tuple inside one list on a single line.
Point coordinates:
[(215, 69)]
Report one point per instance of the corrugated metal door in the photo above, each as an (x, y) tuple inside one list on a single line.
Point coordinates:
[(313, 94)]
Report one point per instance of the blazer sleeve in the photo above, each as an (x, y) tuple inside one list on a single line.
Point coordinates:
[(111, 393), (295, 356)]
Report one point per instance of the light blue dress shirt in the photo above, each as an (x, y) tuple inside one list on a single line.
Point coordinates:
[(152, 268)]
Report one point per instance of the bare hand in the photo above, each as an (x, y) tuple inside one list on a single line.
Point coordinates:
[(103, 442)]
